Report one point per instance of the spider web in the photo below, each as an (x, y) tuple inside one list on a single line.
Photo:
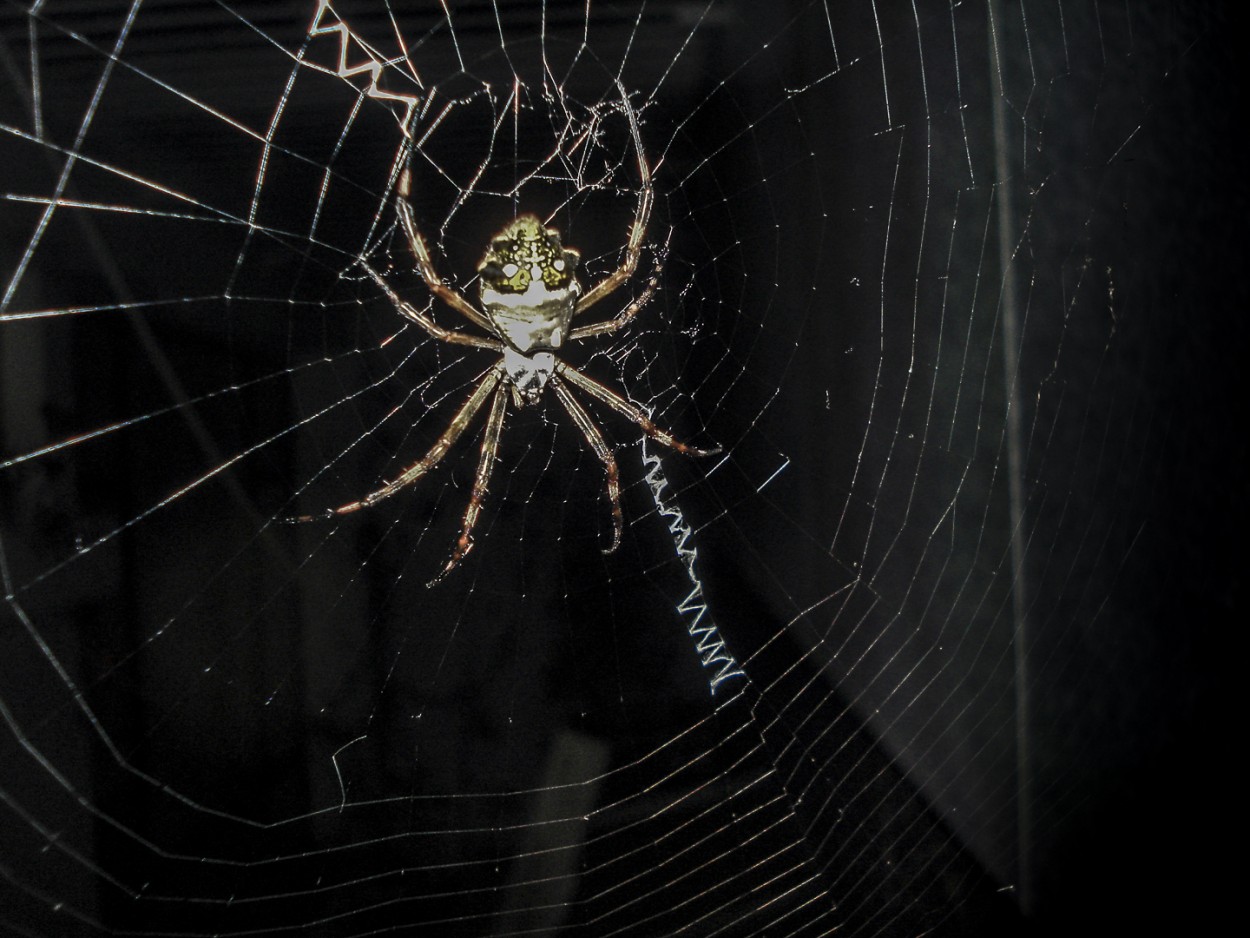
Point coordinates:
[(921, 650)]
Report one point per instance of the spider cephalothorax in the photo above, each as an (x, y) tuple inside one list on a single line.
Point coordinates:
[(529, 296), (522, 256)]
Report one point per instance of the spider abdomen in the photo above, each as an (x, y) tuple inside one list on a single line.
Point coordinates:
[(537, 320), (526, 285)]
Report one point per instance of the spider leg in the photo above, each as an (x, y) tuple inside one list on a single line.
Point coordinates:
[(629, 312), (486, 462), (425, 266), (630, 410), (408, 311), (600, 446), (454, 429), (646, 196)]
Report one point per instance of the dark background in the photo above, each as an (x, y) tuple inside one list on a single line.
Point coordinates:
[(971, 274)]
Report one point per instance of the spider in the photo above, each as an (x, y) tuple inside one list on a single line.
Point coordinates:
[(529, 296)]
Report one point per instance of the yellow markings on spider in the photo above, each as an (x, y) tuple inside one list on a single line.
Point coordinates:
[(524, 252), (527, 287)]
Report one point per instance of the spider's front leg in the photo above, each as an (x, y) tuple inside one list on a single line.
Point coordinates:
[(623, 318), (408, 311), (425, 266), (642, 215)]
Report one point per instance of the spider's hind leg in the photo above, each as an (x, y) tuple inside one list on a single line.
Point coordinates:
[(602, 450), (630, 410), (423, 465), (486, 462)]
